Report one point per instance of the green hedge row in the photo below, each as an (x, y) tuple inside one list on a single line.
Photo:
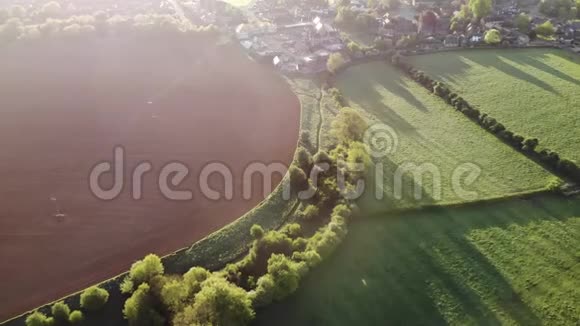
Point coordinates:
[(551, 159)]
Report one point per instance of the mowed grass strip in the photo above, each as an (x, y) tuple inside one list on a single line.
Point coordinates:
[(509, 262), (432, 134), (533, 92)]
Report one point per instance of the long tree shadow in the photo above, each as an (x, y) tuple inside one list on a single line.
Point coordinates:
[(532, 61), (495, 61), (418, 268)]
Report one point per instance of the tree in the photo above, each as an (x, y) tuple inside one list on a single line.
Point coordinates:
[(38, 319), (545, 29), (144, 270), (221, 303), (76, 317), (94, 298), (492, 37), (310, 212), (522, 22), (480, 8), (286, 275), (256, 231), (304, 159), (348, 126), (139, 308), (335, 61), (60, 312), (298, 179)]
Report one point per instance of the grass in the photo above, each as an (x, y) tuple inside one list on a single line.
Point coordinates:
[(429, 131), (533, 92), (508, 262)]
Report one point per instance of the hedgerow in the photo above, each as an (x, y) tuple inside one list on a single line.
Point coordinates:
[(528, 146)]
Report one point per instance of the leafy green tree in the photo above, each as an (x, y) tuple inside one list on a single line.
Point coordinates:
[(492, 37), (304, 159), (76, 317), (60, 312), (348, 126), (221, 303), (310, 212), (256, 231), (37, 319), (545, 29), (174, 294), (298, 179), (480, 8), (335, 61), (139, 309), (144, 270), (94, 298), (286, 275), (522, 22)]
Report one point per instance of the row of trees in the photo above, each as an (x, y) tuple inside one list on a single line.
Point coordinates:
[(277, 259), (529, 146), (16, 28), (472, 12), (91, 300)]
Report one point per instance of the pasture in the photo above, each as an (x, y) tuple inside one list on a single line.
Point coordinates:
[(533, 92), (508, 262), (431, 133), (67, 103)]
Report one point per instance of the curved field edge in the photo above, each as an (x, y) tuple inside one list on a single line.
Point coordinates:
[(223, 246)]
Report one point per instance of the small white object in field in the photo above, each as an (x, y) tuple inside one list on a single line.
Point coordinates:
[(316, 20), (364, 282), (53, 198), (154, 116), (276, 60), (149, 102)]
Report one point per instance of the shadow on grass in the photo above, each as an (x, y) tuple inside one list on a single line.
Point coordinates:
[(419, 268)]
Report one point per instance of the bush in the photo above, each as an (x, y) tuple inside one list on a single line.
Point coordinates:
[(218, 303), (60, 312), (298, 179), (127, 286), (335, 62), (76, 317), (545, 29), (38, 319), (492, 37), (348, 126), (144, 270), (304, 160), (94, 298), (139, 308), (310, 212), (286, 275), (256, 231), (530, 144), (322, 157)]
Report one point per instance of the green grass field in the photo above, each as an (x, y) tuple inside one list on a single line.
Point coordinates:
[(509, 262), (533, 92), (431, 132)]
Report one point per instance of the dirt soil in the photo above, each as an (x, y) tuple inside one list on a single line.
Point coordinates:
[(65, 105)]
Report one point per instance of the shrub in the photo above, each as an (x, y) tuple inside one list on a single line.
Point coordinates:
[(304, 160), (342, 210), (497, 128), (76, 317), (492, 37), (545, 29), (348, 126), (127, 286), (193, 279), (60, 312), (322, 157), (310, 212), (286, 275), (139, 308), (38, 319), (94, 298), (256, 231), (144, 270), (305, 139), (335, 62), (298, 179), (293, 230), (517, 141), (218, 303), (530, 144)]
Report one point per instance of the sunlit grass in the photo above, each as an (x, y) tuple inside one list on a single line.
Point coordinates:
[(533, 92), (512, 262), (429, 131)]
